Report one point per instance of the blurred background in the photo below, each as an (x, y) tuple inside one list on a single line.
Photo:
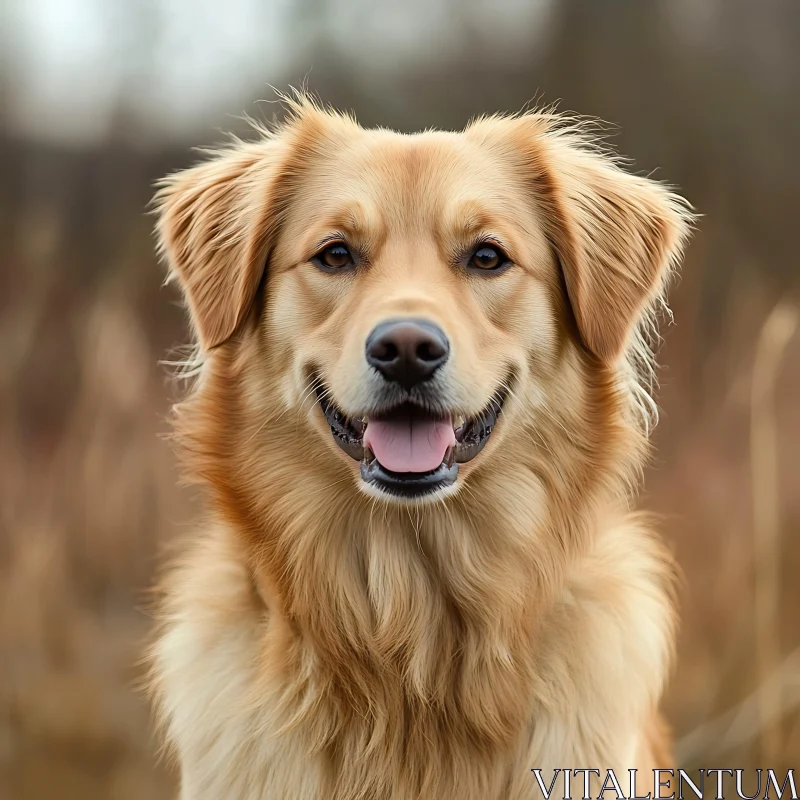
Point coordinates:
[(98, 98)]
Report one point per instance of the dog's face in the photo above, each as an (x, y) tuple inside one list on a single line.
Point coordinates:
[(426, 286), (434, 294)]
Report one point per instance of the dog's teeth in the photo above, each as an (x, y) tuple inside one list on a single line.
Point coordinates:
[(449, 456), (369, 456), (458, 421)]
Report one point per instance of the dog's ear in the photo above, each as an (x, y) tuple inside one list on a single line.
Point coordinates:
[(617, 236), (215, 223)]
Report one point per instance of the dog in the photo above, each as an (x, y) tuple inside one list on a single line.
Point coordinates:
[(420, 416)]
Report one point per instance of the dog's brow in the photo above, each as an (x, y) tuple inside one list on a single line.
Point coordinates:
[(470, 219), (351, 223)]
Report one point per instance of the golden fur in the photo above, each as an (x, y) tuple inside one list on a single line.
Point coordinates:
[(318, 641)]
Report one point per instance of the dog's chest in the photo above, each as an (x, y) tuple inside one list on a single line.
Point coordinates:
[(236, 741), (236, 734), (245, 757)]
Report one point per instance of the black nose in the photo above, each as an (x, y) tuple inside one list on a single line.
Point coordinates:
[(407, 351)]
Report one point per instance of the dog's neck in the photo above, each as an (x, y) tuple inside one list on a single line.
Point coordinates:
[(432, 608), (390, 603)]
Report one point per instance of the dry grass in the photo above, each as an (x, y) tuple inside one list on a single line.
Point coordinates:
[(82, 516), (775, 336), (89, 496)]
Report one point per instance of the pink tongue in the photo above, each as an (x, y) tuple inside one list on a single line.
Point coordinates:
[(409, 445)]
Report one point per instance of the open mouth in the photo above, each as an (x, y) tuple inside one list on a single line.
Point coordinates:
[(408, 450)]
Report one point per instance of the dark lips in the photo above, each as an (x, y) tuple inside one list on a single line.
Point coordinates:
[(471, 438), (408, 484)]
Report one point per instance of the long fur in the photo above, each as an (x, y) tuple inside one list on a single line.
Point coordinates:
[(319, 642)]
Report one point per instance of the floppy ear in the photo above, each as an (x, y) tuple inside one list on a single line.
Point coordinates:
[(215, 222), (617, 236)]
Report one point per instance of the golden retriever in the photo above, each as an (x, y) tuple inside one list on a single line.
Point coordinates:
[(421, 416)]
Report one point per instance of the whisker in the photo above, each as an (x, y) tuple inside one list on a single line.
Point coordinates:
[(308, 392)]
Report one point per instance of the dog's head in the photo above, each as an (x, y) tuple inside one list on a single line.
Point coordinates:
[(396, 311)]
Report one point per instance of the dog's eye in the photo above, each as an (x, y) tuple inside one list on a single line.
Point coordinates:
[(334, 257), (488, 258)]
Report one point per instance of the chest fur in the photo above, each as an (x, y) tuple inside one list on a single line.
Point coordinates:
[(252, 712)]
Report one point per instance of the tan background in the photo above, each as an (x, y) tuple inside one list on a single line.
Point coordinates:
[(99, 98)]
